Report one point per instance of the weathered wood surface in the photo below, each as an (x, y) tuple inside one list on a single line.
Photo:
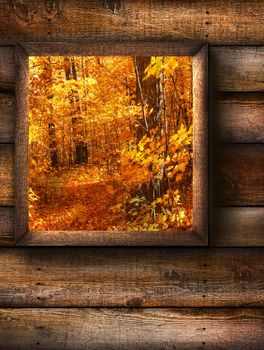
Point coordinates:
[(7, 66), (7, 175), (128, 48), (233, 68), (239, 170), (231, 226), (103, 277), (237, 226), (7, 118), (214, 21), (237, 68), (7, 226), (21, 143), (200, 143), (239, 117), (240, 173), (164, 329), (111, 238)]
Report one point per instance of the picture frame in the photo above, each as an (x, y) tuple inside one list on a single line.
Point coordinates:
[(198, 236)]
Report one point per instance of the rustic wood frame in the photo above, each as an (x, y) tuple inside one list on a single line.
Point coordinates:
[(198, 236)]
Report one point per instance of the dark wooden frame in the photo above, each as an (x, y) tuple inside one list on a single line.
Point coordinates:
[(198, 236)]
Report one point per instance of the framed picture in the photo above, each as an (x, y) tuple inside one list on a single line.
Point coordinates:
[(111, 144)]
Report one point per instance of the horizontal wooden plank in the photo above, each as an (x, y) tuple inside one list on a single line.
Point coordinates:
[(237, 226), (238, 175), (239, 169), (235, 68), (7, 66), (103, 277), (128, 48), (214, 21), (7, 175), (7, 118), (132, 329), (7, 226), (237, 117), (240, 172), (231, 226), (240, 117), (111, 238)]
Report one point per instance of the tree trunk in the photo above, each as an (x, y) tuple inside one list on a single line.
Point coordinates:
[(78, 150), (150, 95)]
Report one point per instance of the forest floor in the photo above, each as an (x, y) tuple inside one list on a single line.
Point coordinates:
[(78, 200)]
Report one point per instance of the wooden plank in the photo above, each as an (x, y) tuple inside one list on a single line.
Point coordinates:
[(7, 226), (235, 68), (239, 117), (214, 21), (21, 142), (132, 329), (128, 48), (240, 173), (111, 238), (232, 226), (108, 277), (238, 226), (7, 118), (200, 142), (6, 175), (7, 66)]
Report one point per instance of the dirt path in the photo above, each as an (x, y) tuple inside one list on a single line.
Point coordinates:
[(85, 206)]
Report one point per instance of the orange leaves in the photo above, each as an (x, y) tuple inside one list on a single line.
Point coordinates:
[(106, 153)]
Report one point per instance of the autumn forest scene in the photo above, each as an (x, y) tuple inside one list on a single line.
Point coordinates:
[(110, 143)]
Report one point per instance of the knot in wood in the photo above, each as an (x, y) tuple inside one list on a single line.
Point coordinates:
[(134, 302)]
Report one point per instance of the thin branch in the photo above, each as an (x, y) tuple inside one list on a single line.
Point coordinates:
[(141, 95)]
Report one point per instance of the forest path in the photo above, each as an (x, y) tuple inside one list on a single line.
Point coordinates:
[(83, 205)]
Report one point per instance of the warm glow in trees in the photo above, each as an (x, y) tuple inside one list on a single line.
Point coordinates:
[(110, 143)]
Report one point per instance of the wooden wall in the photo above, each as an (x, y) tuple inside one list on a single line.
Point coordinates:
[(143, 298)]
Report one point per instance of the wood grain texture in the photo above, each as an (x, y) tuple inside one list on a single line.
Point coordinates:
[(88, 48), (111, 238), (237, 68), (200, 142), (7, 118), (240, 172), (238, 226), (233, 68), (7, 175), (238, 169), (213, 21), (106, 277), (240, 117), (231, 226), (21, 142), (165, 329), (7, 227), (7, 67)]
